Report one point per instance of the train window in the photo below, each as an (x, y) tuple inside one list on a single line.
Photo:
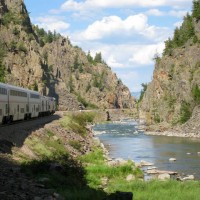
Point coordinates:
[(35, 96), (18, 93), (0, 112), (3, 91), (17, 108)]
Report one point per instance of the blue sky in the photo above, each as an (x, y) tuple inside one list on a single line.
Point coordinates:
[(128, 33)]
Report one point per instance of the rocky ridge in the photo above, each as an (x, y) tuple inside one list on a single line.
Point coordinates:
[(48, 62), (171, 99)]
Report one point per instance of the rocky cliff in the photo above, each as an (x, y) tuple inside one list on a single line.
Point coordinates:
[(173, 96), (49, 63)]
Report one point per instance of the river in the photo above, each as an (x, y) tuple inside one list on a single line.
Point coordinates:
[(124, 140)]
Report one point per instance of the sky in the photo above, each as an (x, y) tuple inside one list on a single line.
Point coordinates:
[(128, 33)]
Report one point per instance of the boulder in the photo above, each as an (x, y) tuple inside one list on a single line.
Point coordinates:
[(104, 181), (163, 177), (189, 177), (172, 159), (145, 163), (130, 177)]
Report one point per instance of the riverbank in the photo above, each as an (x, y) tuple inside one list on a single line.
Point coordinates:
[(173, 133), (61, 160), (169, 188)]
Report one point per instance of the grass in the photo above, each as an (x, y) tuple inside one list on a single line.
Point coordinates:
[(81, 178), (97, 169), (77, 122), (163, 190)]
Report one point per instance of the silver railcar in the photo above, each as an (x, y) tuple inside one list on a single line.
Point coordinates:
[(17, 103)]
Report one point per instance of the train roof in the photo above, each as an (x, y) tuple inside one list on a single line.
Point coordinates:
[(8, 86)]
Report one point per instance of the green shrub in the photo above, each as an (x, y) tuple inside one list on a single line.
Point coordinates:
[(22, 48), (185, 112), (9, 17), (196, 94), (13, 46), (16, 31), (82, 100), (181, 35), (157, 118), (77, 122), (75, 144), (144, 88)]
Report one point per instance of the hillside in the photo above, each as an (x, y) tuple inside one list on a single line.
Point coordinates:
[(172, 98), (48, 62)]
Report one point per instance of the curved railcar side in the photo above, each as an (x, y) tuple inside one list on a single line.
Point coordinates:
[(17, 103)]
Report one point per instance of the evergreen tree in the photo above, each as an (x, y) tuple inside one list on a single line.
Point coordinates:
[(89, 57), (98, 58), (76, 62), (196, 9)]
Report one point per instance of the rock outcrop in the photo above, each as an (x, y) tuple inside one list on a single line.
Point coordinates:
[(49, 63), (172, 97)]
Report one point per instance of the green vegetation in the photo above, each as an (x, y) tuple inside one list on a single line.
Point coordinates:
[(77, 122), (157, 118), (2, 67), (186, 108), (17, 19), (21, 47), (97, 169), (185, 32), (98, 80), (196, 94), (71, 85), (45, 37), (144, 85), (82, 100), (9, 17), (75, 144), (89, 176), (196, 9), (96, 59), (16, 31), (88, 87), (185, 112)]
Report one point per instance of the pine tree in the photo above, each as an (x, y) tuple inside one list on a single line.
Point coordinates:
[(196, 9), (98, 58)]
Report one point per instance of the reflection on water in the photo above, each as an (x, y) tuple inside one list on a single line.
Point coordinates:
[(125, 141)]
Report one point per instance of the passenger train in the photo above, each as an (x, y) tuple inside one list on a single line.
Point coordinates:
[(17, 103)]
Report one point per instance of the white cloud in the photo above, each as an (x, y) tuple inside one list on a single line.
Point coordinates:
[(155, 12), (178, 24), (52, 23), (131, 78), (126, 56), (115, 27), (178, 13), (72, 5), (144, 54), (111, 61)]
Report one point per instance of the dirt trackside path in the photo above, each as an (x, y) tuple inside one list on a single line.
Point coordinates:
[(15, 185), (18, 132)]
